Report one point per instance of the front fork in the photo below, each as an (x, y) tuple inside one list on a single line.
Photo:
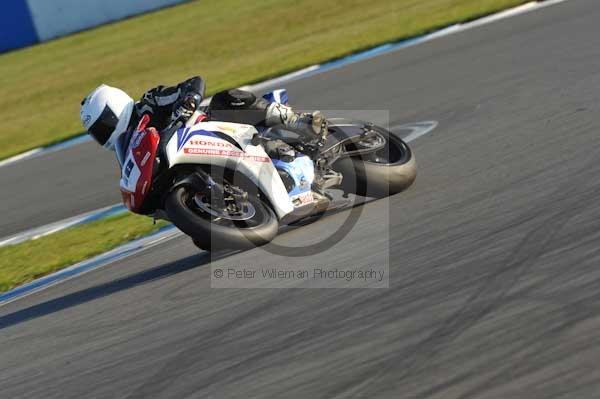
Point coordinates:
[(225, 196)]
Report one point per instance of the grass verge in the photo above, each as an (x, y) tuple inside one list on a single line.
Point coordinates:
[(27, 261), (229, 42)]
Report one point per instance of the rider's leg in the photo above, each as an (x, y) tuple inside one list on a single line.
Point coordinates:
[(243, 107), (312, 124)]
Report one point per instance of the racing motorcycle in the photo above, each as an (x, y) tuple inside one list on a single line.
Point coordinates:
[(216, 182)]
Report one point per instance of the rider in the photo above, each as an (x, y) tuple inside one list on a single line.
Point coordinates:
[(108, 112)]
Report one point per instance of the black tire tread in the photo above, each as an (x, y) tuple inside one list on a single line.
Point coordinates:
[(210, 236)]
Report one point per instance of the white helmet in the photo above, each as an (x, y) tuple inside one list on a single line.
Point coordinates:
[(106, 113)]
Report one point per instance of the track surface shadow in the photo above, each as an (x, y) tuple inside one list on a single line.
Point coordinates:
[(98, 291)]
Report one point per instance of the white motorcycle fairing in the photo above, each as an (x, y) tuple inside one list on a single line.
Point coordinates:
[(203, 144)]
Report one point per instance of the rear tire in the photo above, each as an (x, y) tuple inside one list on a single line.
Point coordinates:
[(211, 234), (387, 172)]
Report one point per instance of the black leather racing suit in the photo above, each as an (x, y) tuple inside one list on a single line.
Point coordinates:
[(235, 106), (228, 106)]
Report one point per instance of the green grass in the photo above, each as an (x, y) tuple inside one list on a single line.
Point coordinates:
[(229, 42), (27, 261)]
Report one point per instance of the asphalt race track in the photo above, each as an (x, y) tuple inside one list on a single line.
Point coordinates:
[(494, 281)]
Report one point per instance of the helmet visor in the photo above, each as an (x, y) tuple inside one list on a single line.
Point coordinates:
[(104, 126)]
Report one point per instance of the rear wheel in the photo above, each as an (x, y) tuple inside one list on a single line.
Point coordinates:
[(240, 224), (385, 172)]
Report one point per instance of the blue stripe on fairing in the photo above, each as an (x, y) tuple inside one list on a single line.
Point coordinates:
[(183, 135), (16, 25), (299, 169), (277, 96)]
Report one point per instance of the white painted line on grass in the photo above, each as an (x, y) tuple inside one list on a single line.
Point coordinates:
[(54, 227), (17, 158)]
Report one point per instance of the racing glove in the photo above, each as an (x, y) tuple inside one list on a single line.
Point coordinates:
[(186, 108)]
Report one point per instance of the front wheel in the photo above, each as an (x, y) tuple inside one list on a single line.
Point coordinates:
[(385, 172), (211, 229)]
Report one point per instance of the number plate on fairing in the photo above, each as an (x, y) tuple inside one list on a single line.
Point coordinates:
[(303, 199)]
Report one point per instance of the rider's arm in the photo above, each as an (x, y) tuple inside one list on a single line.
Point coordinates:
[(160, 101), (193, 85), (162, 96)]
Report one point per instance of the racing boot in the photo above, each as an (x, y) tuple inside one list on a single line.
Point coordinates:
[(313, 125)]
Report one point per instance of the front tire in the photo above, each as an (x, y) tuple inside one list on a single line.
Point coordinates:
[(210, 233)]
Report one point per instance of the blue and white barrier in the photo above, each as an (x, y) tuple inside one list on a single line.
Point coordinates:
[(26, 22), (16, 25)]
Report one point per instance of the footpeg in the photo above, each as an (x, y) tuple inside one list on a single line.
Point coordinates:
[(328, 179)]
